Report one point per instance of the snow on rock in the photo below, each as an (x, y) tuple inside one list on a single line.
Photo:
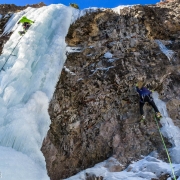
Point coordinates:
[(73, 49), (118, 8), (145, 169), (69, 71), (77, 13), (101, 69), (89, 10), (108, 55)]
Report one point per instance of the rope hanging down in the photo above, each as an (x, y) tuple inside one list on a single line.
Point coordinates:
[(2, 68), (165, 149)]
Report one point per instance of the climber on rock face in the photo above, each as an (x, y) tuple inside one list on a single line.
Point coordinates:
[(26, 23), (145, 96)]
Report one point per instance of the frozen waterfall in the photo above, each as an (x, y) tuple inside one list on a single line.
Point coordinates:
[(26, 87)]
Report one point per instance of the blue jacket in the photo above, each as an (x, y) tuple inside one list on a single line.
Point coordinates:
[(143, 92)]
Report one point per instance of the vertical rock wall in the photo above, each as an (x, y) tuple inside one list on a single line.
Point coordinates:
[(95, 110)]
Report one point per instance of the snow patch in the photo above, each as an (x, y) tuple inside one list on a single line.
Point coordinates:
[(73, 49), (111, 60), (108, 55), (77, 13), (101, 69), (145, 169), (118, 8), (69, 71)]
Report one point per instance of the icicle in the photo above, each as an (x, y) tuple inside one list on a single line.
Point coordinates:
[(167, 52)]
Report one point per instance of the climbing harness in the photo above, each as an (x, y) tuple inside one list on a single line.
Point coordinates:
[(2, 68), (142, 97), (165, 148)]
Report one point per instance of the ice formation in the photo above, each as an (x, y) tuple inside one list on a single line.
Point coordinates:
[(31, 68), (27, 83)]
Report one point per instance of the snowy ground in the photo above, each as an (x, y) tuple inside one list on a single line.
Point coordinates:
[(148, 167), (118, 8), (26, 86)]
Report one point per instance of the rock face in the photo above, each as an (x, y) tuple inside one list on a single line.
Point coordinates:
[(3, 20), (12, 8), (95, 110)]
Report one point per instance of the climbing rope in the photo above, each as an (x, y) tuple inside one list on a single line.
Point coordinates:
[(2, 68), (165, 148)]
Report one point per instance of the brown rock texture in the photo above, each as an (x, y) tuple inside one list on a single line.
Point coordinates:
[(165, 2), (12, 8), (94, 110), (3, 39)]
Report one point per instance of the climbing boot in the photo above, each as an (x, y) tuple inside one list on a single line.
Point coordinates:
[(21, 33), (142, 118), (158, 115)]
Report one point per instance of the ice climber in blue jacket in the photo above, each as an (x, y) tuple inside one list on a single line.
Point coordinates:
[(145, 96)]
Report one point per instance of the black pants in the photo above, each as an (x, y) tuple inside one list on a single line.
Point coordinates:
[(26, 26), (150, 101)]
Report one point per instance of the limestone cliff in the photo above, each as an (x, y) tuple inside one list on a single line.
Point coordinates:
[(95, 106), (6, 11)]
